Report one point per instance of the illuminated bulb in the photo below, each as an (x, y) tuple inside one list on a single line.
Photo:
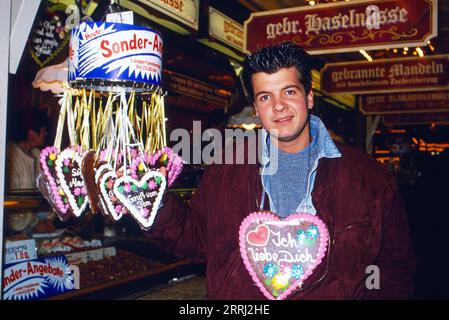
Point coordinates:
[(312, 3), (248, 127), (395, 50), (366, 55), (420, 52), (432, 48)]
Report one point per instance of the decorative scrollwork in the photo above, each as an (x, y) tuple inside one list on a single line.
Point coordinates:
[(338, 37)]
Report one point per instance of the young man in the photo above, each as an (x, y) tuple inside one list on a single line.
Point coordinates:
[(28, 133), (351, 193)]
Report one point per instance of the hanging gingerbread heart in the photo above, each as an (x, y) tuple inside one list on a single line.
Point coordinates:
[(57, 197), (106, 182), (170, 160), (91, 169), (99, 169), (281, 254), (162, 158), (68, 172), (44, 188), (141, 197), (88, 174)]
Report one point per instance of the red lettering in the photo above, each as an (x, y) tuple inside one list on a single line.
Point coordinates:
[(15, 275), (132, 43), (125, 45), (103, 46), (156, 44), (115, 47)]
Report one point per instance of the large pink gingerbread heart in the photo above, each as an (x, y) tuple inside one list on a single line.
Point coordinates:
[(281, 254)]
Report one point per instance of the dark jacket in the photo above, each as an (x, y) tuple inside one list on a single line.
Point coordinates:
[(354, 195)]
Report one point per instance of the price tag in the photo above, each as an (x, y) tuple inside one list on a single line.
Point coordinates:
[(17, 251), (121, 17)]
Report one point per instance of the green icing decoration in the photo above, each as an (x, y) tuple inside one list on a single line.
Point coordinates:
[(309, 242)]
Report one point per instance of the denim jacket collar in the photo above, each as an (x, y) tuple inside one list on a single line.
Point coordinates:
[(326, 147)]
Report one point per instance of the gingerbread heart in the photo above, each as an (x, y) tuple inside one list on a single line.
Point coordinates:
[(173, 162), (101, 168), (162, 158), (112, 205), (44, 188), (88, 173), (141, 197), (281, 254), (56, 195), (68, 172)]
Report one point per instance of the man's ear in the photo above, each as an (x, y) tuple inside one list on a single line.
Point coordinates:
[(310, 100)]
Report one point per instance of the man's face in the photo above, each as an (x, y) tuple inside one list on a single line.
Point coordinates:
[(282, 105), (37, 139)]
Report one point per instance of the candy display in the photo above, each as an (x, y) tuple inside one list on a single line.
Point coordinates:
[(120, 266), (113, 112), (281, 254), (66, 244)]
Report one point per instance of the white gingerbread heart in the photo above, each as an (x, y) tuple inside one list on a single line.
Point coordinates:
[(68, 172), (106, 183), (141, 197)]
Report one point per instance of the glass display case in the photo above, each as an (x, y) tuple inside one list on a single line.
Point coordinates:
[(113, 259)]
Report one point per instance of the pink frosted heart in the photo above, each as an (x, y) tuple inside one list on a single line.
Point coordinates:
[(281, 254), (170, 160), (57, 197), (68, 173)]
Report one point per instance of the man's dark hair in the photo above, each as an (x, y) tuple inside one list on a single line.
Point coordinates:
[(25, 119), (272, 59)]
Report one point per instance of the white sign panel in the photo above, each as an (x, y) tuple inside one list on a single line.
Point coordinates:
[(225, 29), (185, 11), (18, 251)]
